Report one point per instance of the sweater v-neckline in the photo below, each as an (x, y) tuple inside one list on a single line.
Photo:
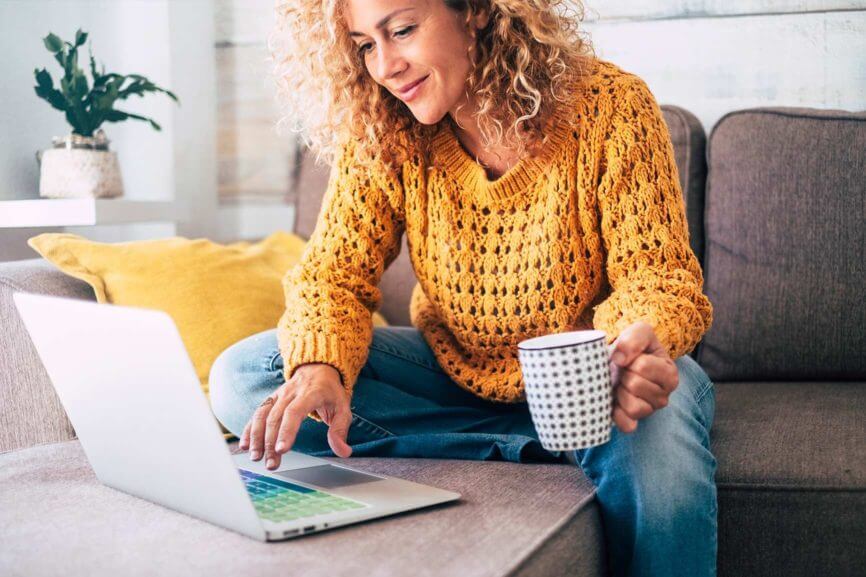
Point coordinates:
[(463, 167)]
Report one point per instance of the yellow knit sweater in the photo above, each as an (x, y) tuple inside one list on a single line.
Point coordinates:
[(591, 233)]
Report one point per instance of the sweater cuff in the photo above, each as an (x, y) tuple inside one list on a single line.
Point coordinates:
[(678, 324)]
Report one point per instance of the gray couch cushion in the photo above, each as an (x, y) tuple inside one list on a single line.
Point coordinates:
[(399, 279), (791, 478), (791, 435), (785, 239), (30, 411), (513, 519)]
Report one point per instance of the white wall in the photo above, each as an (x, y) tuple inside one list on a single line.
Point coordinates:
[(171, 43), (714, 56)]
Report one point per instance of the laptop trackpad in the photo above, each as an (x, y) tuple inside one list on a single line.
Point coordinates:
[(328, 476)]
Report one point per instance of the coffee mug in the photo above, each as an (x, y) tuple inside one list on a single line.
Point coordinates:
[(569, 380)]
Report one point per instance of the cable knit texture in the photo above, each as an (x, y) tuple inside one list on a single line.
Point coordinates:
[(590, 233)]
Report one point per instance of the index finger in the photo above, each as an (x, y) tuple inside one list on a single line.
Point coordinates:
[(245, 436), (635, 339), (293, 415)]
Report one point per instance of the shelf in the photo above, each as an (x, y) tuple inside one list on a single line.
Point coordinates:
[(46, 212)]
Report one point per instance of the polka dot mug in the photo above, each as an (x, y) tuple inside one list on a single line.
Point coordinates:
[(569, 380)]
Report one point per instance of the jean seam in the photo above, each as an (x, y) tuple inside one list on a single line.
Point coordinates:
[(403, 356), (705, 388), (372, 425)]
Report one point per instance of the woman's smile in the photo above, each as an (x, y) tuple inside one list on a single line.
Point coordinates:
[(408, 94)]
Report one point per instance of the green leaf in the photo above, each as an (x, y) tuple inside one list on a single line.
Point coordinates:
[(77, 127), (72, 61), (53, 43), (79, 85), (86, 107), (142, 85), (53, 97), (43, 78), (115, 116), (125, 115), (104, 101), (45, 90)]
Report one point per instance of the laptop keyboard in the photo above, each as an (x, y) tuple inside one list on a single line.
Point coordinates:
[(277, 500)]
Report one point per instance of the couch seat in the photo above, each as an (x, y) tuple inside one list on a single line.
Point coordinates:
[(518, 520), (791, 478)]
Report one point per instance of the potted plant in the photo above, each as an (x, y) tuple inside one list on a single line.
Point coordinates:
[(80, 164)]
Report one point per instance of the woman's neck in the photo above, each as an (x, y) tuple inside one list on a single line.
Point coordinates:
[(497, 160)]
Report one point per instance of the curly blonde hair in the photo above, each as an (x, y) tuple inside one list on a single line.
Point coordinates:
[(327, 95)]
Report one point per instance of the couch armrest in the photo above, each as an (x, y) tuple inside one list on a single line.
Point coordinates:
[(30, 411)]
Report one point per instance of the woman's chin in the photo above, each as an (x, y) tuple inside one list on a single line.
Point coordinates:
[(427, 117)]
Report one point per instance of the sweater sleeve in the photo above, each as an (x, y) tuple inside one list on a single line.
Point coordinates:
[(652, 271), (332, 293)]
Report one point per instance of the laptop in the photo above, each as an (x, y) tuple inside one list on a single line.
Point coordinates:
[(133, 397)]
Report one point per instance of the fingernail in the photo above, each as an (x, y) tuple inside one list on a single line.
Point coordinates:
[(255, 455), (281, 446), (271, 463), (618, 357)]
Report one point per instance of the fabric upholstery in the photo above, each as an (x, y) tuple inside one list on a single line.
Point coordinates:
[(791, 435), (784, 266), (30, 411), (781, 533), (57, 519), (791, 478)]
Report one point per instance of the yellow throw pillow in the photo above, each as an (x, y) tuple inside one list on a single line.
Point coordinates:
[(216, 294)]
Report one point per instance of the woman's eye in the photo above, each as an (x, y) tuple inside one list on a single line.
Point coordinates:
[(403, 31)]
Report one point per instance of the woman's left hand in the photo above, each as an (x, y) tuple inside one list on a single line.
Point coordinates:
[(646, 375)]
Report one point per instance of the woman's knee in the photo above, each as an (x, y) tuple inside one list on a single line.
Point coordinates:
[(670, 449), (240, 376), (664, 468), (694, 381)]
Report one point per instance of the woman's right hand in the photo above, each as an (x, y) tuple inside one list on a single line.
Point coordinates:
[(273, 427)]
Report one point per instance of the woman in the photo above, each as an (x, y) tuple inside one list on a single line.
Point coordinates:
[(538, 192)]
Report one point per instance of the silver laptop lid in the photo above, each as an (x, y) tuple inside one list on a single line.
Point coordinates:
[(131, 392)]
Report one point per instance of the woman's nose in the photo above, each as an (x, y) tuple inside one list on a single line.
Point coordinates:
[(389, 63)]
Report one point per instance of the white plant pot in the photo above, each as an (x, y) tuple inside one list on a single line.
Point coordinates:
[(79, 172)]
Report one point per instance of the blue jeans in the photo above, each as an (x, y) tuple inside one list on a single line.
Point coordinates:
[(655, 487)]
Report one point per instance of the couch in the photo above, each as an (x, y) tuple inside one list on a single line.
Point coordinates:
[(776, 203)]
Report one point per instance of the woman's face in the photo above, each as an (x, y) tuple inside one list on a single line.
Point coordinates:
[(417, 50)]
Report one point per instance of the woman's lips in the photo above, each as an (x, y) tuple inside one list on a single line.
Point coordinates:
[(410, 94)]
